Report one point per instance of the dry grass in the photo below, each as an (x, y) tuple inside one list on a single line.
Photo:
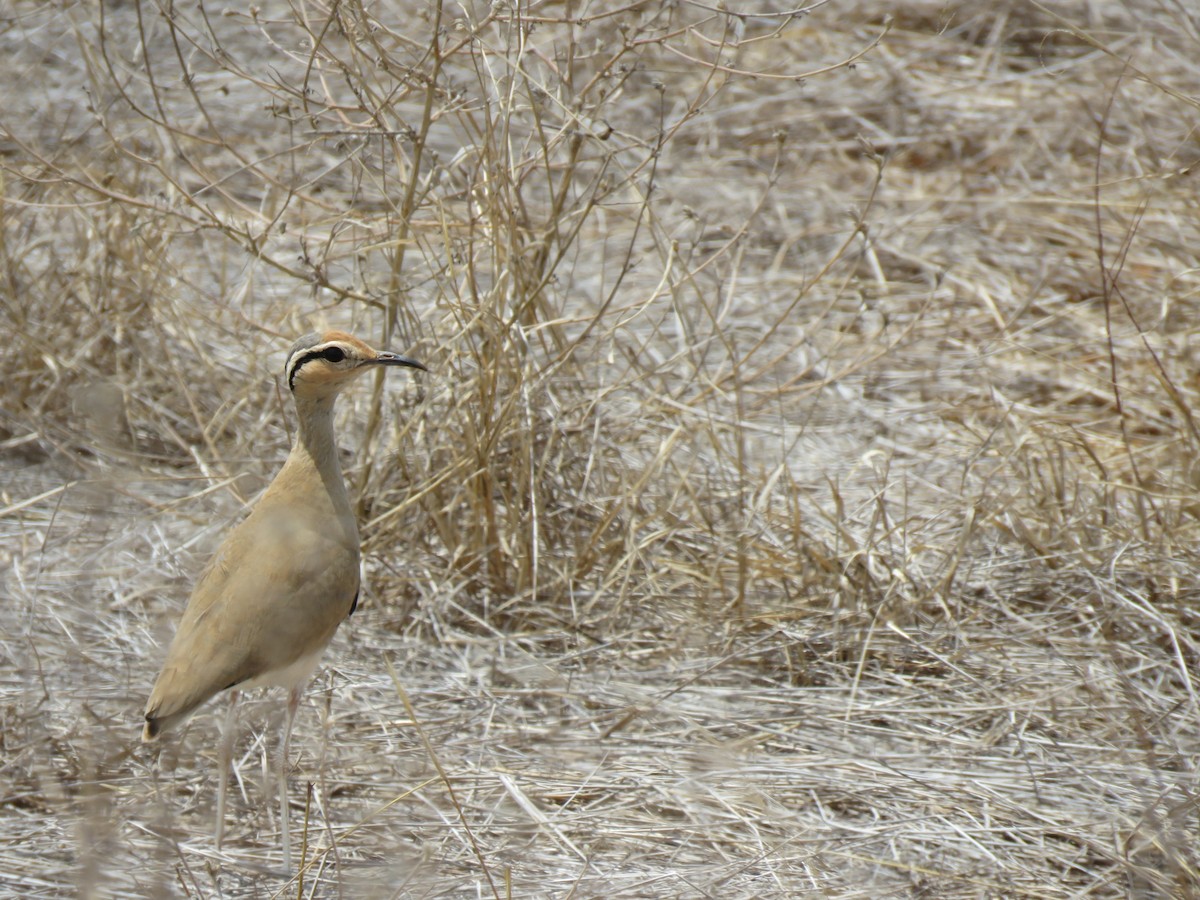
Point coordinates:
[(802, 498)]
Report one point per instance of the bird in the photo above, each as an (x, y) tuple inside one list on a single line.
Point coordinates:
[(281, 582)]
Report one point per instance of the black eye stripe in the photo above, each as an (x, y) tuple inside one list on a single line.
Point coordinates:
[(330, 354), (296, 367)]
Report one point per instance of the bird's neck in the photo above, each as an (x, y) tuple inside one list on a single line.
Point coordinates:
[(314, 455)]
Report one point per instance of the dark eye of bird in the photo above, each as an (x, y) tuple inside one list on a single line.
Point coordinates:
[(334, 354)]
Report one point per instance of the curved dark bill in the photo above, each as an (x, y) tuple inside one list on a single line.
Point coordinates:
[(387, 358)]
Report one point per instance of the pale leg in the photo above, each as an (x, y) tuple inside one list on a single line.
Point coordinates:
[(293, 704), (224, 757)]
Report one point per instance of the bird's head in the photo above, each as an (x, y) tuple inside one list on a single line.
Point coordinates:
[(320, 365)]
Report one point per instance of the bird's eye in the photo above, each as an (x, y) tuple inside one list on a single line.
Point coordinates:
[(334, 354)]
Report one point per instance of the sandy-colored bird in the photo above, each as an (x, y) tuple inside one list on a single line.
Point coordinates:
[(282, 580)]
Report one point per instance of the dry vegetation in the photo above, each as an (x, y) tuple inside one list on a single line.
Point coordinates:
[(802, 500)]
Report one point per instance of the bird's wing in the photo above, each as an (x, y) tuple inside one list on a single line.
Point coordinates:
[(274, 593)]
